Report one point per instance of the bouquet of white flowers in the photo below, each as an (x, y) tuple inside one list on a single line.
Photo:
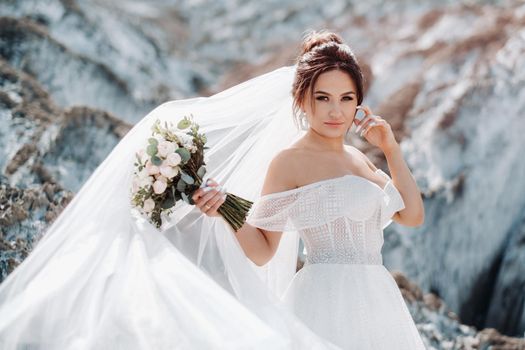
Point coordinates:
[(171, 168)]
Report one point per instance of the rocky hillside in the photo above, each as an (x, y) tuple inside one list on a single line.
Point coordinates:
[(448, 77)]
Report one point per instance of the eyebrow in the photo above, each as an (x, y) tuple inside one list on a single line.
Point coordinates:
[(326, 93)]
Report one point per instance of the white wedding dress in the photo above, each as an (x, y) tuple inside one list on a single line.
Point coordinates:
[(102, 277), (343, 292)]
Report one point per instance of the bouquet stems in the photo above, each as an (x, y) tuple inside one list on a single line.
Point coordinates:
[(234, 209)]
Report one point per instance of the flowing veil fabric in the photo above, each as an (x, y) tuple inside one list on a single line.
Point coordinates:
[(104, 278)]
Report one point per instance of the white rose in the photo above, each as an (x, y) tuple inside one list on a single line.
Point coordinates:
[(168, 171), (146, 181), (162, 178), (173, 159), (187, 140), (151, 168), (165, 148), (148, 205), (159, 186)]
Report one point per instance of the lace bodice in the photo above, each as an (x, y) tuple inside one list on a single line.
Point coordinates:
[(340, 220)]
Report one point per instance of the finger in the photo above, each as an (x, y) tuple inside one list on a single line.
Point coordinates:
[(207, 208), (205, 198), (215, 203), (359, 117), (208, 182), (201, 191), (364, 123), (369, 127), (205, 193), (365, 109), (358, 121), (218, 204), (211, 182)]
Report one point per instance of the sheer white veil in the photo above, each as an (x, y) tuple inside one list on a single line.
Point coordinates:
[(102, 277)]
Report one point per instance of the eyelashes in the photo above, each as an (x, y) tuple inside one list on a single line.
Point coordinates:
[(320, 98)]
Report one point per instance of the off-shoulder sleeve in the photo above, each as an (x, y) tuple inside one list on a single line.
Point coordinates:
[(392, 201), (294, 209), (274, 212)]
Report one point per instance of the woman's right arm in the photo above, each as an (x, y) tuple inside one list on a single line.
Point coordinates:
[(259, 245)]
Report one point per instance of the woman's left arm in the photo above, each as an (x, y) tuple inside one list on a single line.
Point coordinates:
[(414, 212), (379, 133)]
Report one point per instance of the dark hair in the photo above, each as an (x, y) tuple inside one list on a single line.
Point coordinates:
[(323, 51)]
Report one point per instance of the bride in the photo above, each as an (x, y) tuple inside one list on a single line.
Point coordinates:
[(103, 277), (340, 205)]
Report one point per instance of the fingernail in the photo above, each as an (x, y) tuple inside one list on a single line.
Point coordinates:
[(207, 189)]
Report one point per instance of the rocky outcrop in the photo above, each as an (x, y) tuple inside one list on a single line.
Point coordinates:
[(465, 151), (24, 214), (441, 328), (39, 167), (96, 54), (76, 80), (449, 79)]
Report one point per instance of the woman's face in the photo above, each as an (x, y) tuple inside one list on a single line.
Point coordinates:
[(335, 102)]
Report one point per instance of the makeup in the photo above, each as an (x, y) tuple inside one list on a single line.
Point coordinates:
[(334, 125)]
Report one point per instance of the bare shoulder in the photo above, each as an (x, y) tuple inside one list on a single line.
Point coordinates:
[(280, 175), (360, 155), (369, 170)]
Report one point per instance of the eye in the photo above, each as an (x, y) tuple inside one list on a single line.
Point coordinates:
[(346, 98)]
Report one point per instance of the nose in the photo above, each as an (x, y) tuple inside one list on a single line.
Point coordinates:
[(335, 111)]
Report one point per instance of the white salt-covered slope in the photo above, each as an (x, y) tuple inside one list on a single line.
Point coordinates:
[(85, 54), (434, 71), (466, 149)]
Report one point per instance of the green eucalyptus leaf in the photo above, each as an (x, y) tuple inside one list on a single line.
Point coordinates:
[(153, 141), (183, 124), (184, 154), (187, 178), (151, 150), (181, 185), (156, 160), (202, 171), (167, 203), (185, 197)]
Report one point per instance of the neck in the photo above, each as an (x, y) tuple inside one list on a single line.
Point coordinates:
[(323, 143)]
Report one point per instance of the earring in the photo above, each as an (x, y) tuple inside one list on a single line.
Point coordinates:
[(303, 122)]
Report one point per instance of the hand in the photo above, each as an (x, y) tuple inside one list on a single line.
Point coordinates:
[(209, 198), (375, 129)]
